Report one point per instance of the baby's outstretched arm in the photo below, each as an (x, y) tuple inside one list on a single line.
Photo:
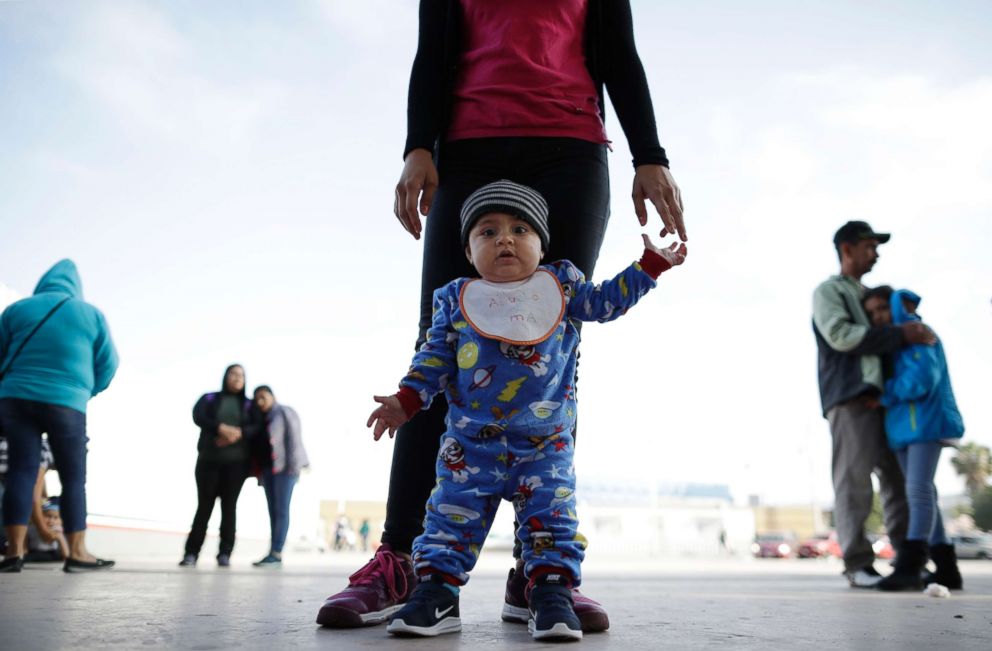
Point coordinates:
[(612, 298)]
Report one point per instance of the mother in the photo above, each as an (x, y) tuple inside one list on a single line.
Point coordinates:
[(510, 90)]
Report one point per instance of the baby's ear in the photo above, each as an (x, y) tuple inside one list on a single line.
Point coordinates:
[(468, 254)]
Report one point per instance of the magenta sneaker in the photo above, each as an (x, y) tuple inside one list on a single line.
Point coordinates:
[(591, 614), (373, 594)]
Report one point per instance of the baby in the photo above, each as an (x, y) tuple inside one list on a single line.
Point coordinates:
[(503, 348)]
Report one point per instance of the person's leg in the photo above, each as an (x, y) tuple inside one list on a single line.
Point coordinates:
[(853, 460), (284, 484), (449, 547), (920, 468), (207, 474), (466, 167), (23, 431), (67, 437), (553, 549), (268, 485), (232, 478), (892, 490)]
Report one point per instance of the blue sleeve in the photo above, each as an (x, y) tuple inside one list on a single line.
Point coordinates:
[(105, 359), (608, 300), (918, 373), (434, 363), (4, 338)]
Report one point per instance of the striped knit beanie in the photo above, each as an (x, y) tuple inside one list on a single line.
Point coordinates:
[(511, 198)]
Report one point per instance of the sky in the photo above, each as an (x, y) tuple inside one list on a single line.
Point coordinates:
[(223, 176)]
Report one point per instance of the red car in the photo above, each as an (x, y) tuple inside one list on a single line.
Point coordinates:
[(774, 545), (818, 545)]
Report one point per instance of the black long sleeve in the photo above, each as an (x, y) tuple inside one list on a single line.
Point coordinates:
[(623, 74), (879, 341), (426, 97)]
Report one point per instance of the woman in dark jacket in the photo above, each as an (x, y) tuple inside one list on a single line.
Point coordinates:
[(228, 423), (506, 90)]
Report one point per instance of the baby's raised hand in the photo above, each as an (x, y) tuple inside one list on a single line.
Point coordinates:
[(388, 415), (674, 254)]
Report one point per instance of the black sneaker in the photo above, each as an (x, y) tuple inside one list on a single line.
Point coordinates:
[(552, 612), (431, 610), (270, 560), (865, 577), (223, 560), (189, 560)]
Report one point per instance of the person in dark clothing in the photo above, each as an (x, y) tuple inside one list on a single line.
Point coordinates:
[(510, 90), (228, 423)]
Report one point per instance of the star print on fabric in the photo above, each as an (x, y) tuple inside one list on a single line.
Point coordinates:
[(500, 476), (501, 457), (476, 404), (554, 472), (560, 445), (559, 337), (570, 412), (556, 513)]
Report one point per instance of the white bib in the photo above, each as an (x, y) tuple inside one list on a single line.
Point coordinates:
[(525, 312)]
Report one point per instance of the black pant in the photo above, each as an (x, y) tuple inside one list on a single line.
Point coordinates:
[(572, 176), (213, 480)]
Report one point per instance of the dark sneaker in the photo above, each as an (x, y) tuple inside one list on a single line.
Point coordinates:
[(865, 577), (592, 616), (72, 565), (223, 560), (552, 614), (270, 560), (431, 610), (373, 594), (12, 564), (189, 560)]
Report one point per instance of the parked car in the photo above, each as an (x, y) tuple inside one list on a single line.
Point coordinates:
[(774, 545), (818, 545), (973, 545)]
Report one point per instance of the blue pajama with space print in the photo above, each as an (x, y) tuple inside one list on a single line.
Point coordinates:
[(510, 423)]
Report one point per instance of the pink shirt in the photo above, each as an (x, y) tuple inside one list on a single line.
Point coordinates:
[(522, 72)]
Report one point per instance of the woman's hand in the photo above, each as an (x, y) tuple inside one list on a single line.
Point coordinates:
[(674, 254), (388, 415), (417, 182), (655, 182)]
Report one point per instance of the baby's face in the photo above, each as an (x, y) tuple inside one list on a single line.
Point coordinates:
[(53, 520), (503, 248)]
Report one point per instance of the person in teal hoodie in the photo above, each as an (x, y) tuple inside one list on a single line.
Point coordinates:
[(921, 417), (67, 361)]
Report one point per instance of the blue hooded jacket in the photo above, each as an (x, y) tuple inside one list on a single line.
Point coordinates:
[(71, 358), (919, 403)]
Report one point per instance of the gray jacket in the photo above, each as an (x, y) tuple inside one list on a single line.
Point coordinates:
[(286, 440), (848, 347)]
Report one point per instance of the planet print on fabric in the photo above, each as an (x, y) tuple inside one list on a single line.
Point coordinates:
[(468, 355), (482, 377), (458, 513)]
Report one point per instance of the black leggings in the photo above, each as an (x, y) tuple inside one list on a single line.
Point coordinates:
[(216, 480), (572, 176)]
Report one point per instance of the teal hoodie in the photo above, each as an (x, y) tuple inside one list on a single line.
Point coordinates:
[(919, 403), (71, 358)]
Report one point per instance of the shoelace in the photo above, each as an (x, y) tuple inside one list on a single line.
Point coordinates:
[(390, 567)]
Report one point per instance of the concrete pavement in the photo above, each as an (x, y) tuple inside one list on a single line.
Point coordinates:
[(147, 602)]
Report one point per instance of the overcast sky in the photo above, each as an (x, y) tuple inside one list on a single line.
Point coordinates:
[(222, 174)]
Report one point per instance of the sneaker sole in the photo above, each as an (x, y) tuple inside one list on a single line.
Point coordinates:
[(338, 617), (446, 625), (559, 631), (515, 614), (592, 621)]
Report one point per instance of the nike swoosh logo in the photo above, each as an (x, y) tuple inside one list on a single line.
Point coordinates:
[(438, 613)]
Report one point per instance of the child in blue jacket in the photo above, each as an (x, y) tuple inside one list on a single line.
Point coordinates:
[(921, 417), (503, 349)]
